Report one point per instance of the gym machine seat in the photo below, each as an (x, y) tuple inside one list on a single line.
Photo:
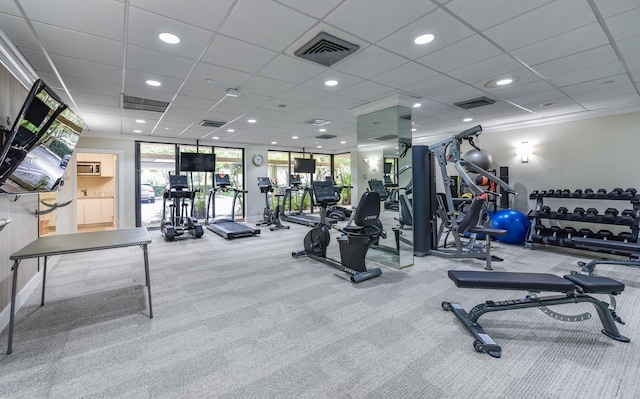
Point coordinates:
[(572, 289)]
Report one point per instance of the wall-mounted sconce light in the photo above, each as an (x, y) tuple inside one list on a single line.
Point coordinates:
[(372, 162), (524, 151)]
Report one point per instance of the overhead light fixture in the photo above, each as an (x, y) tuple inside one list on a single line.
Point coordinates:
[(546, 105), (140, 121), (318, 146), (424, 39), (322, 130), (294, 137), (169, 38), (153, 83), (414, 129), (343, 142), (251, 120), (331, 82), (137, 131), (230, 130), (209, 81), (417, 105), (215, 138), (503, 81), (233, 92), (467, 119), (274, 142)]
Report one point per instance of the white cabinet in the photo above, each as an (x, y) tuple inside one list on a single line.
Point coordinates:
[(80, 208), (106, 165), (95, 210), (106, 210)]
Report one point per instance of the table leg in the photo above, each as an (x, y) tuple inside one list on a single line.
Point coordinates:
[(146, 272), (44, 279), (16, 263)]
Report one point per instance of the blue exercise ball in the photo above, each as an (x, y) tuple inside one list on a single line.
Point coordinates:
[(515, 222)]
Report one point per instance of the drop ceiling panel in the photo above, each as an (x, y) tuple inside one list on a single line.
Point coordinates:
[(358, 16), (595, 88), (367, 90), (265, 86), (205, 14), (609, 8), (191, 102), (559, 17), (314, 8), (618, 100), (222, 77), (623, 26), (275, 103), (447, 30), (429, 107), (272, 25), (207, 93), (465, 52), (344, 81), (83, 99), (488, 69), (485, 14), (454, 95), (157, 63), (17, 30), (144, 28), (572, 42), (369, 62), (91, 86), (249, 99), (290, 69), (538, 98), (304, 95), (103, 18), (78, 68), (565, 65), (588, 74), (433, 85), (237, 55), (338, 102), (405, 75), (39, 62)]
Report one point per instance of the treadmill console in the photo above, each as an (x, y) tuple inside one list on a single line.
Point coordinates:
[(323, 192), (264, 182), (222, 180), (178, 182), (294, 180)]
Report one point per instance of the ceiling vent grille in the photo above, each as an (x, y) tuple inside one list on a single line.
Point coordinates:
[(317, 122), (208, 123), (475, 103), (143, 104), (387, 137), (326, 136), (325, 49)]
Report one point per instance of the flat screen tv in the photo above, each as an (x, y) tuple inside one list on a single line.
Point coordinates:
[(304, 165), (193, 162), (36, 151)]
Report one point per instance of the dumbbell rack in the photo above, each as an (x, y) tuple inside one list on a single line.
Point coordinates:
[(561, 235)]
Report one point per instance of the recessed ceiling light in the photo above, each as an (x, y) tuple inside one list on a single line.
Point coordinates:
[(169, 38), (166, 128), (274, 142), (215, 138), (318, 146), (209, 81), (507, 80), (546, 105), (153, 83), (417, 105), (294, 137), (331, 82), (140, 121), (251, 120), (343, 142), (414, 129), (137, 131), (322, 130), (230, 130), (282, 105), (467, 119), (424, 39)]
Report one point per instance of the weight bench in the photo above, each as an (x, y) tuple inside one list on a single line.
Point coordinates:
[(572, 289), (593, 244)]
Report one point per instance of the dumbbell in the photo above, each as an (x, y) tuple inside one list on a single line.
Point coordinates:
[(577, 194), (578, 213), (562, 212), (534, 194), (588, 193), (586, 233), (556, 236), (568, 232), (601, 193), (626, 237), (566, 193), (615, 193), (540, 230), (604, 235), (550, 193), (628, 193), (591, 215), (544, 211), (628, 216), (610, 215)]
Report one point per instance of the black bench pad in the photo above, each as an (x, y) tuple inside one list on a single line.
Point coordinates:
[(510, 281), (596, 284)]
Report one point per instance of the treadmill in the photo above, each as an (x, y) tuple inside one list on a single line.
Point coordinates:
[(226, 226), (298, 216)]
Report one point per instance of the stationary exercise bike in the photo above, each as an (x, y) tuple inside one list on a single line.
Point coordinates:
[(269, 216), (356, 239), (180, 219)]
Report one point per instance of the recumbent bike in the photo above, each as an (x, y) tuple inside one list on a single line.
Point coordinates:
[(356, 239)]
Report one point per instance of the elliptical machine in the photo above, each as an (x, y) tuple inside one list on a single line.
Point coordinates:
[(356, 239), (181, 217), (269, 216)]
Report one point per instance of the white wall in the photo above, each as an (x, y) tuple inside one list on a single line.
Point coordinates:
[(254, 198)]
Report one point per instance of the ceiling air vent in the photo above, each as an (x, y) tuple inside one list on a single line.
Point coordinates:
[(208, 123), (325, 49), (143, 104), (475, 103), (317, 122), (326, 136), (387, 137)]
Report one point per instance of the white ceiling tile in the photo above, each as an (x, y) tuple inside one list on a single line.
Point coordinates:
[(536, 99), (203, 91), (103, 18), (488, 69), (574, 41), (145, 27), (39, 62), (527, 82), (463, 53), (624, 25), (589, 74), (447, 30), (314, 8), (290, 69), (432, 85), (157, 63), (487, 13), (367, 90), (609, 8), (77, 68), (205, 14), (617, 100), (558, 17), (18, 31), (358, 16), (222, 77), (304, 94), (584, 59), (594, 89), (135, 81), (92, 86), (405, 75), (344, 81), (369, 62), (457, 94), (272, 25), (234, 54), (335, 101), (265, 86)]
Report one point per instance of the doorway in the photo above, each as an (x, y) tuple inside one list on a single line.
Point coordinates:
[(97, 190)]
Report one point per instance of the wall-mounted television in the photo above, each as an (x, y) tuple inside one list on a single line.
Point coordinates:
[(36, 151), (304, 165), (193, 162)]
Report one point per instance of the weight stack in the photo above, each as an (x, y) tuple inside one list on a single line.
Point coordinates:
[(504, 196)]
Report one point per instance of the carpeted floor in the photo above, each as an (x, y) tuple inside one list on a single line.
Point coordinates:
[(243, 319)]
